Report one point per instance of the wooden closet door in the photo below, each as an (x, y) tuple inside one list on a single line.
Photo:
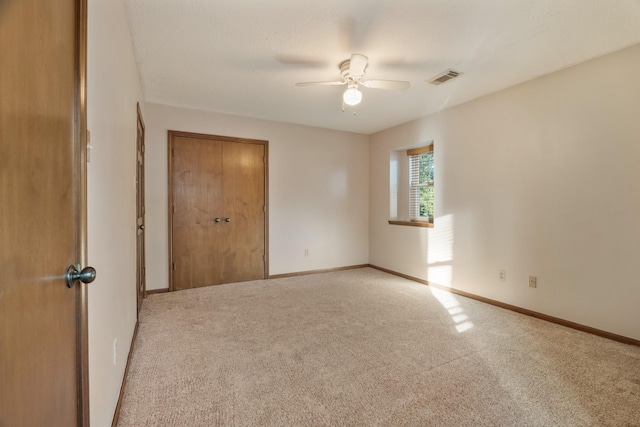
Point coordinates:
[(197, 202), (244, 206), (218, 217)]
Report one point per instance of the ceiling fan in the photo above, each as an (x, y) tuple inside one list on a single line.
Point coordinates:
[(353, 71)]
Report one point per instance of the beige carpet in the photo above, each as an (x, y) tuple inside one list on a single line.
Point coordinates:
[(364, 348)]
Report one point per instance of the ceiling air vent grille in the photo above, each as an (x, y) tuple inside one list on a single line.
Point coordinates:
[(444, 77)]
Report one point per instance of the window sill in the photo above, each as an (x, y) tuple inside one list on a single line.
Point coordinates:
[(424, 224)]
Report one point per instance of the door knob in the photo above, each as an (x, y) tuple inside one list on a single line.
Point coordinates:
[(227, 220), (141, 227), (217, 220), (87, 275)]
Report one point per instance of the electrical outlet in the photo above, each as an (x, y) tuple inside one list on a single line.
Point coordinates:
[(115, 351), (533, 281), (502, 275), (306, 252)]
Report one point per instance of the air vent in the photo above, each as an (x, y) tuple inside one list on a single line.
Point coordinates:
[(444, 77)]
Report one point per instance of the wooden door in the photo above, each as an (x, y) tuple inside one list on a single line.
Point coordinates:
[(197, 199), (42, 212), (140, 214), (217, 210), (244, 206)]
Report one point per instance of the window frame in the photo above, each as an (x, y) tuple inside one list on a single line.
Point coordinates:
[(411, 220)]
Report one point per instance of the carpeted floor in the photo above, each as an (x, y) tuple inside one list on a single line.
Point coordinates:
[(365, 348)]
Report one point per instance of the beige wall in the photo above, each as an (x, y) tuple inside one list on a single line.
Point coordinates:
[(318, 190), (112, 92), (540, 179)]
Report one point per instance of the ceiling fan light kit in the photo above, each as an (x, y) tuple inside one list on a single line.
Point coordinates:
[(352, 96), (352, 71)]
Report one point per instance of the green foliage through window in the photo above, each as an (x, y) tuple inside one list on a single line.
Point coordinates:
[(422, 186)]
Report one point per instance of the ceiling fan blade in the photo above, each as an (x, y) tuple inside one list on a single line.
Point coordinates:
[(386, 84), (357, 65), (335, 83)]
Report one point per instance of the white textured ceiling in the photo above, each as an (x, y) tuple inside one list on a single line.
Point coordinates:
[(243, 57)]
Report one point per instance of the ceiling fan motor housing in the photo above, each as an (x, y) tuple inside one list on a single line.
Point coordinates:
[(345, 68)]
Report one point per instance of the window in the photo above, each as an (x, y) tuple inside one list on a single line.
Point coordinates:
[(411, 186), (421, 179)]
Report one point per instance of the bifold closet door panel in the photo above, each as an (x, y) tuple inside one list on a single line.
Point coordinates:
[(244, 206), (198, 240)]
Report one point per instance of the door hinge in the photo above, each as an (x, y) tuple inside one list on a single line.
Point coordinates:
[(264, 257), (143, 148), (173, 152), (173, 209), (264, 208), (173, 266)]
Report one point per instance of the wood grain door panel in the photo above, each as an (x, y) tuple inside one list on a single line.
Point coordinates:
[(140, 213), (216, 178), (41, 211), (244, 204), (197, 201)]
